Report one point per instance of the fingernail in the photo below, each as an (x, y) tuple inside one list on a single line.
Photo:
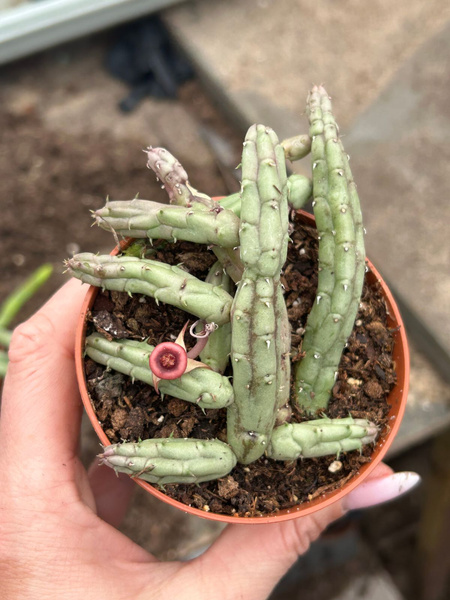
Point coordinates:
[(382, 489)]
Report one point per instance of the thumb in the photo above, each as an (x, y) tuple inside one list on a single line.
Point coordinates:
[(41, 407)]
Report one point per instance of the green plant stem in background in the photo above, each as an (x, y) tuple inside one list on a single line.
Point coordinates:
[(5, 338), (3, 363), (14, 302)]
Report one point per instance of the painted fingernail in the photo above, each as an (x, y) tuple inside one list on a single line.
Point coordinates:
[(382, 489)]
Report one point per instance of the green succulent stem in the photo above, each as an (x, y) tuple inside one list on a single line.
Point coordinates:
[(144, 218), (232, 202), (175, 181), (299, 191), (231, 262), (259, 316), (320, 437), (297, 147), (171, 460), (341, 259), (200, 386), (216, 353), (163, 282)]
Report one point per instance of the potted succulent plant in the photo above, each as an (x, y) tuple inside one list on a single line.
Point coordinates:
[(251, 342)]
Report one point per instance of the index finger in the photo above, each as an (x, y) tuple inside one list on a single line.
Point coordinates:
[(41, 407)]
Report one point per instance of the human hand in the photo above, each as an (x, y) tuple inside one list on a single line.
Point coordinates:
[(57, 522)]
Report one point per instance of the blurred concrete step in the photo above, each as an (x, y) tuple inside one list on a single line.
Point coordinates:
[(398, 144), (428, 409), (399, 149), (260, 57), (378, 586)]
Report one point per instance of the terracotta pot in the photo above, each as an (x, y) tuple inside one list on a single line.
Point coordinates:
[(397, 400)]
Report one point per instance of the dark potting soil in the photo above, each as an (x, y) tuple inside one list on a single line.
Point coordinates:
[(131, 410)]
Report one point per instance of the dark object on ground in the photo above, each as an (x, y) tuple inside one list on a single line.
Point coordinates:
[(145, 57)]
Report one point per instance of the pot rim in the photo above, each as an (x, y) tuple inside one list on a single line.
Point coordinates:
[(397, 399)]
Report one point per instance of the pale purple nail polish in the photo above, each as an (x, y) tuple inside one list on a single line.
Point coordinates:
[(382, 489)]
